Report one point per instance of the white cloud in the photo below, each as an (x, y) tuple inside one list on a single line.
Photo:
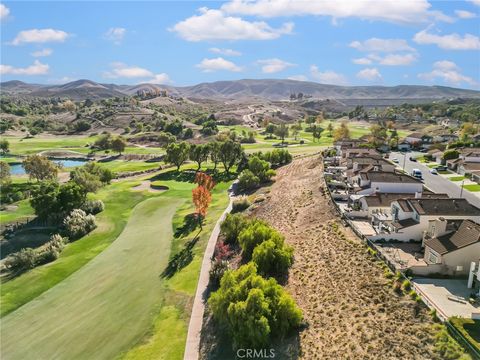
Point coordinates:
[(40, 36), (327, 77), (4, 12), (382, 45), (215, 25), (463, 14), (115, 35), (413, 11), (449, 72), (298, 78), (226, 52), (36, 69), (397, 59), (270, 66), (62, 80), (362, 61), (43, 52), (370, 74), (210, 65), (121, 70), (449, 42), (159, 79), (475, 2)]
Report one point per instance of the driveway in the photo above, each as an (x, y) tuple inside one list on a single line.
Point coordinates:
[(436, 183)]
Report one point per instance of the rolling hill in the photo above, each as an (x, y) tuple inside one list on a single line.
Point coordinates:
[(271, 89)]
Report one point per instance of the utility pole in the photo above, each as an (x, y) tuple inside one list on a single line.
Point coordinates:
[(404, 159), (461, 188)]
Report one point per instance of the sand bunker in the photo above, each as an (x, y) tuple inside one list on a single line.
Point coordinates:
[(147, 185)]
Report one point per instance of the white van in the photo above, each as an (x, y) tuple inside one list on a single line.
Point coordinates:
[(417, 173)]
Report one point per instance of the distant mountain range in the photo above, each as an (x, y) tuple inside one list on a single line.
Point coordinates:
[(270, 89)]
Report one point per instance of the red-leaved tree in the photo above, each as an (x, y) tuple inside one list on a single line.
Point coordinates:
[(201, 195)]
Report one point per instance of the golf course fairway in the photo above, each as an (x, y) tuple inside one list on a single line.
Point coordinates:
[(105, 307)]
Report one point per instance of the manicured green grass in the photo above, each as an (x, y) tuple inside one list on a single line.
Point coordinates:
[(456, 178), (23, 211), (22, 146), (126, 166), (111, 299), (154, 323), (472, 187), (469, 328), (118, 205)]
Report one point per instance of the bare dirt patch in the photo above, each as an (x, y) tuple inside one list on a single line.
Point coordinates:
[(349, 306)]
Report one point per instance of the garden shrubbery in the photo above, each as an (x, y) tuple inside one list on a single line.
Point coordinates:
[(93, 206), (240, 204), (78, 224), (254, 309)]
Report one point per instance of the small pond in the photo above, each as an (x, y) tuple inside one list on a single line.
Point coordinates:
[(17, 169)]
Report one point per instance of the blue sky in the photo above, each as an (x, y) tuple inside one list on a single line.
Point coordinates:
[(354, 42)]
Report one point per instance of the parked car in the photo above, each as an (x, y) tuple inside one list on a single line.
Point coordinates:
[(434, 171), (413, 159), (417, 173), (395, 160), (441, 168)]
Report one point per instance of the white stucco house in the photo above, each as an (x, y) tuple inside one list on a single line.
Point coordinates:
[(411, 217), (387, 182)]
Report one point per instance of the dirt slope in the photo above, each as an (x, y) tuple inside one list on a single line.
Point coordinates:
[(351, 311)]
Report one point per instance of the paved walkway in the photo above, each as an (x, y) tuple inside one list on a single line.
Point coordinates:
[(196, 319)]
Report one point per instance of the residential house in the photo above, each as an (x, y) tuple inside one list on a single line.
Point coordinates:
[(411, 217), (358, 152), (445, 138), (437, 155), (416, 139), (387, 182), (466, 163), (380, 203), (404, 146), (450, 251)]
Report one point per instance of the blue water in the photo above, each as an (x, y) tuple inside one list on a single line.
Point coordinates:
[(17, 169)]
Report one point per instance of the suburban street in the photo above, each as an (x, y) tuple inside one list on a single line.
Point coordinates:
[(436, 183)]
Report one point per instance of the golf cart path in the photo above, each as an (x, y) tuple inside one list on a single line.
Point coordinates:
[(192, 344), (105, 307)]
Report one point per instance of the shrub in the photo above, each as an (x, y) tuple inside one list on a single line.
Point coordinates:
[(232, 226), (273, 258), (93, 206), (254, 234), (248, 181), (252, 308), (240, 204), (218, 269), (52, 249), (222, 251), (78, 224), (406, 285), (22, 260)]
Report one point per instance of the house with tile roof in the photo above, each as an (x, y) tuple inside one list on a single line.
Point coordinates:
[(451, 248), (410, 217)]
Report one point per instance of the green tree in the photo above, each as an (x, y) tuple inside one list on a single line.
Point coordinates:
[(254, 234), (5, 178), (450, 154), (270, 129), (260, 168), (214, 150), (341, 132), (247, 180), (252, 308), (118, 144), (177, 154), (199, 154), (40, 168), (230, 153), (4, 146), (232, 226), (282, 132), (378, 135), (273, 257), (89, 181), (104, 142), (330, 128)]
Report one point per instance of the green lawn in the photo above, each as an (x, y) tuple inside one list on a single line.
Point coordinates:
[(456, 178), (126, 166), (469, 328), (103, 279), (118, 207), (111, 299), (472, 187), (23, 211)]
